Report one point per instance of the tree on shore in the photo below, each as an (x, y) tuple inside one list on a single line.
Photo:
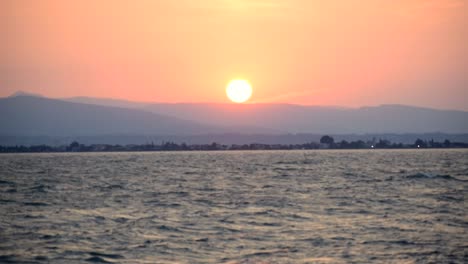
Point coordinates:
[(327, 140), (419, 143)]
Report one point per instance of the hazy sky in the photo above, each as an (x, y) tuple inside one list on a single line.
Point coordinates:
[(349, 53)]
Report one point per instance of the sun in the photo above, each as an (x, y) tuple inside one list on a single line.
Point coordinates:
[(239, 91)]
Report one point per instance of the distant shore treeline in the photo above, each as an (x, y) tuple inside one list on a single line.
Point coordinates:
[(326, 142)]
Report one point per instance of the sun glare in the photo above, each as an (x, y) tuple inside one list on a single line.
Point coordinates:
[(239, 91)]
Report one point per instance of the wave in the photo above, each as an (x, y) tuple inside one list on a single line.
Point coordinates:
[(35, 204), (41, 188), (422, 175), (105, 255), (98, 260), (2, 182)]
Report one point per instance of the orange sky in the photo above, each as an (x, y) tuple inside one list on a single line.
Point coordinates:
[(348, 53)]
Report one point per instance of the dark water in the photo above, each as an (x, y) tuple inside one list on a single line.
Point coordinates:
[(405, 206)]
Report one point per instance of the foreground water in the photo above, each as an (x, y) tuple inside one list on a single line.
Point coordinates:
[(403, 206)]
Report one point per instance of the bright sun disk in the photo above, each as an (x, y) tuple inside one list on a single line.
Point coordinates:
[(239, 91)]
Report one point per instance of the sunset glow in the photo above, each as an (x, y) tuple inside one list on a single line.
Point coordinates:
[(233, 131), (347, 53), (239, 91)]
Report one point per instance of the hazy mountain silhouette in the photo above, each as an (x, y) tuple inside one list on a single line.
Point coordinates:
[(228, 126), (29, 115), (289, 118), (106, 102), (317, 119), (24, 93), (32, 115)]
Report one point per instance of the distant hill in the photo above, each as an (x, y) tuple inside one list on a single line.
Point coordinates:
[(36, 116), (23, 93), (106, 102), (146, 106), (35, 120), (321, 120), (289, 118)]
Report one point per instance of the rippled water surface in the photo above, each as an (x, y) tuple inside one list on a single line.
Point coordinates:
[(403, 206)]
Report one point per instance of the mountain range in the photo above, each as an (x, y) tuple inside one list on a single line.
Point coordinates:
[(289, 118), (39, 116), (32, 115)]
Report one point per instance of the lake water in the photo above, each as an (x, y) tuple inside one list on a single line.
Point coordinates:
[(366, 206)]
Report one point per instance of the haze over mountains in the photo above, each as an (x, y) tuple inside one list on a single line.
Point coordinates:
[(289, 118), (323, 120), (38, 116), (29, 115)]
